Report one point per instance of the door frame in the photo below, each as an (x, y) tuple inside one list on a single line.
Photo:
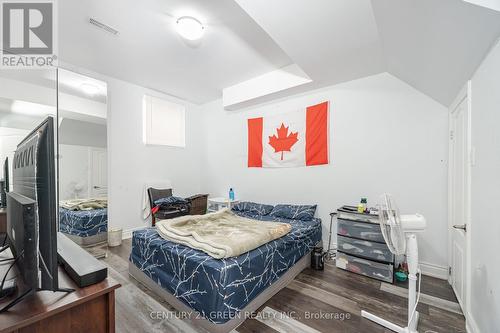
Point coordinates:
[(465, 94), (91, 150)]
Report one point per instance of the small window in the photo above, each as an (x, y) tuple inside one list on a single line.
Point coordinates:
[(163, 122)]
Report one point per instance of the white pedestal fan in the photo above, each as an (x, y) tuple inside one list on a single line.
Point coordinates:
[(400, 235)]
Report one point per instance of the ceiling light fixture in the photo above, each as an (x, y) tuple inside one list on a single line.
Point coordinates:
[(190, 28), (89, 89)]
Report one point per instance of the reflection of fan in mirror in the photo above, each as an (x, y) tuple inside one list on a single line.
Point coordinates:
[(76, 188), (399, 234)]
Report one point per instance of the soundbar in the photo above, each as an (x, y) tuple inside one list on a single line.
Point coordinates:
[(80, 265)]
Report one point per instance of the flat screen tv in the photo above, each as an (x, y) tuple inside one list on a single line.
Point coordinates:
[(32, 210), (4, 184), (6, 174)]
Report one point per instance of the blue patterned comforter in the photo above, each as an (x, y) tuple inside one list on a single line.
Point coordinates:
[(219, 289), (83, 223)]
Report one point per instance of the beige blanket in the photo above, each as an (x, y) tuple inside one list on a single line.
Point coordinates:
[(84, 204), (221, 234)]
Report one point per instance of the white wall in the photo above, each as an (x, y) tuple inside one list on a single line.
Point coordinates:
[(132, 164), (74, 169), (82, 133), (384, 137), (76, 139), (9, 139), (485, 230)]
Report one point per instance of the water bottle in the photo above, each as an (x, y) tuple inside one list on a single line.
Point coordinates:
[(231, 194), (362, 206)]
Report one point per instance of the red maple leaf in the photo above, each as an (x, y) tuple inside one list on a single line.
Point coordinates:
[(284, 141)]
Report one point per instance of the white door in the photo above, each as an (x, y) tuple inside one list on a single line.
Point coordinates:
[(459, 187), (98, 172)]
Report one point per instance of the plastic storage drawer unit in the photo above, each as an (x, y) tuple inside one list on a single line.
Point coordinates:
[(365, 249), (361, 230), (364, 267)]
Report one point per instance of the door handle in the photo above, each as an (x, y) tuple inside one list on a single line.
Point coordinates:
[(461, 227)]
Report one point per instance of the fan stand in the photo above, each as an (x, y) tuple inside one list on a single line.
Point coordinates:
[(412, 258)]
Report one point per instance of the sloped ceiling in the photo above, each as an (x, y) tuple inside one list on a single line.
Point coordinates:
[(491, 4), (435, 46), (332, 41)]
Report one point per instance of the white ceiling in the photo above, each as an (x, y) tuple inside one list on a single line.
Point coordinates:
[(434, 45), (332, 41), (26, 97), (492, 4), (149, 52), (71, 83), (65, 81)]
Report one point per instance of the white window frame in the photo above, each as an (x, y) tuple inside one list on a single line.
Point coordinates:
[(154, 108)]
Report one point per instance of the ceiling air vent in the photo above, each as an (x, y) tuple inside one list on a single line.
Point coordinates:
[(103, 26)]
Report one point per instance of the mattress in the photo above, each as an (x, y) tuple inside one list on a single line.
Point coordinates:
[(83, 223), (219, 288)]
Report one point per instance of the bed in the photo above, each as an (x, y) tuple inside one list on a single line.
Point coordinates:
[(84, 227), (222, 291)]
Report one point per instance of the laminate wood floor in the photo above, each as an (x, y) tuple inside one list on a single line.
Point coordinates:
[(316, 301)]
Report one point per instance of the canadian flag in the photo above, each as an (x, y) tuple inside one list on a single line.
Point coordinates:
[(293, 139)]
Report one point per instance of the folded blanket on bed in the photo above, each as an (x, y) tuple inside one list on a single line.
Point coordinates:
[(222, 234), (84, 204)]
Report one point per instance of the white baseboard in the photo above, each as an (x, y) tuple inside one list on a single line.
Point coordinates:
[(439, 272), (471, 325), (128, 232)]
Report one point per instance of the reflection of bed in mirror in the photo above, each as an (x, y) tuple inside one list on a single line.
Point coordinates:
[(82, 158), (85, 221)]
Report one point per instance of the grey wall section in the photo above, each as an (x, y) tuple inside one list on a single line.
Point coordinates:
[(81, 133), (74, 163), (485, 229)]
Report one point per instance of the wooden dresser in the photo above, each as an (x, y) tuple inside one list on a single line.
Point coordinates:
[(89, 309)]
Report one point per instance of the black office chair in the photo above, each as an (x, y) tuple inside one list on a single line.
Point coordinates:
[(165, 211)]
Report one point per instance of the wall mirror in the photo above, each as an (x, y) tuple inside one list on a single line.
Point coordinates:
[(27, 97), (82, 114)]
